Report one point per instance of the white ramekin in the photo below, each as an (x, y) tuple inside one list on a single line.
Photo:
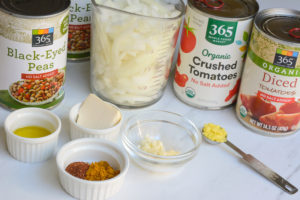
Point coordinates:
[(32, 149), (91, 150), (77, 131)]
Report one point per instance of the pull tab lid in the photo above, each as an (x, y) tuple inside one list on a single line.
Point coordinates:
[(280, 23), (295, 33), (217, 4), (283, 27), (34, 8), (226, 8)]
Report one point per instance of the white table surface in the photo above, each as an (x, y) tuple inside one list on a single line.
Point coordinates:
[(216, 173)]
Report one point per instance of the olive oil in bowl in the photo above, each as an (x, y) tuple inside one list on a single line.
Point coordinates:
[(32, 132)]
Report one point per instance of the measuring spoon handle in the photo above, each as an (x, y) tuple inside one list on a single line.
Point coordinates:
[(269, 174)]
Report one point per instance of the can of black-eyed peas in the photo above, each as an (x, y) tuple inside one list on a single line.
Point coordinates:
[(33, 52), (212, 51), (79, 30), (269, 97)]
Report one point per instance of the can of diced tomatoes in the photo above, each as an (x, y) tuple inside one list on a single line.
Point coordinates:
[(33, 52), (269, 97), (212, 51), (79, 30)]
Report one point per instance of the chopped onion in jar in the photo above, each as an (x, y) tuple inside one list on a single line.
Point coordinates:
[(131, 54)]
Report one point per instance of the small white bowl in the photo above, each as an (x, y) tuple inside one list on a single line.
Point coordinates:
[(32, 149), (91, 150), (77, 131)]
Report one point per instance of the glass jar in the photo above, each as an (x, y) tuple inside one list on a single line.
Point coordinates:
[(131, 54)]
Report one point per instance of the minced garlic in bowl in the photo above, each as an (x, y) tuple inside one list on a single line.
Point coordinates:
[(214, 132), (156, 147), (160, 141)]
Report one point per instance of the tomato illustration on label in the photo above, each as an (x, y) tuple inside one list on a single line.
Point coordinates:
[(234, 90), (290, 107), (288, 116), (180, 79), (247, 100), (262, 107), (257, 106), (264, 111), (281, 120), (178, 59), (188, 39)]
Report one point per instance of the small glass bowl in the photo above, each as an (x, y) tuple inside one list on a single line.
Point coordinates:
[(173, 130)]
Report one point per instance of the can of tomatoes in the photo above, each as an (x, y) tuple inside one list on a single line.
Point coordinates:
[(269, 97), (33, 52), (212, 51), (79, 30)]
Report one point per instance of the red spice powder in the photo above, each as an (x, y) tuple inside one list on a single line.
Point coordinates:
[(78, 169)]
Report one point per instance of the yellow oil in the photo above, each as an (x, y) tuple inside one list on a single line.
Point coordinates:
[(32, 132)]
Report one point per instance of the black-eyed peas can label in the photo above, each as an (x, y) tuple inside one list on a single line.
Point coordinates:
[(210, 59), (33, 53), (79, 30)]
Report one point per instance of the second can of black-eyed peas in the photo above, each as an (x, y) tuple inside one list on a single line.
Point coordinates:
[(212, 51), (79, 30), (269, 97)]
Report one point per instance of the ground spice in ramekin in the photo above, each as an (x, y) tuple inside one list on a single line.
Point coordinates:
[(78, 169), (97, 171)]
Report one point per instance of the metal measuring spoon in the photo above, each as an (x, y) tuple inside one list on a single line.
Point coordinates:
[(259, 167)]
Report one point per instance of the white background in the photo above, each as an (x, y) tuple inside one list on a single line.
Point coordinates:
[(216, 173)]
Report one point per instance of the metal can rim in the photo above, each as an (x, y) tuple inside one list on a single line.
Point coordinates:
[(276, 12), (37, 16), (221, 17)]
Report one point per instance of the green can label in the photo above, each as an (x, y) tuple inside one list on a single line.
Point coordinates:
[(220, 32)]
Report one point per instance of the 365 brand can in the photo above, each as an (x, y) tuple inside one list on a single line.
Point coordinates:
[(33, 52), (269, 97), (212, 51), (79, 30)]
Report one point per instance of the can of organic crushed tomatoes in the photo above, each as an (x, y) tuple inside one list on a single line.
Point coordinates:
[(269, 98), (212, 50)]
